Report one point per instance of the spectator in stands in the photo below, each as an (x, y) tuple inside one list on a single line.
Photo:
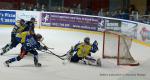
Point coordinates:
[(147, 12), (59, 9), (101, 12), (134, 14), (125, 14), (30, 7), (71, 11), (78, 10), (107, 14), (88, 11), (43, 8), (116, 14), (67, 10), (36, 7), (132, 8), (23, 6)]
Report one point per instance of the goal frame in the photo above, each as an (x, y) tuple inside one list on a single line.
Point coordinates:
[(118, 48)]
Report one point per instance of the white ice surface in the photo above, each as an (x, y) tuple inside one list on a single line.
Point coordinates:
[(53, 69)]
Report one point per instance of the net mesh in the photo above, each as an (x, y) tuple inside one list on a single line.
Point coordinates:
[(117, 46)]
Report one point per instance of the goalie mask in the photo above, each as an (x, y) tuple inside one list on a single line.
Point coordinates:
[(87, 40)]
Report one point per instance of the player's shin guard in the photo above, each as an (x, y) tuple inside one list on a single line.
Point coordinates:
[(36, 63)]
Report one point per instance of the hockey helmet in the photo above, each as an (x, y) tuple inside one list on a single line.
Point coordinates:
[(39, 37), (32, 19), (22, 21), (87, 40)]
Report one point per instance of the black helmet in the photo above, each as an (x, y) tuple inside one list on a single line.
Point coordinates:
[(39, 37), (87, 40), (32, 19), (22, 21)]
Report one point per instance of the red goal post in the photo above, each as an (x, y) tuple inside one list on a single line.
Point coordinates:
[(117, 46)]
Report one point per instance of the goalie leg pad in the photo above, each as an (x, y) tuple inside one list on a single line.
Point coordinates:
[(92, 62), (75, 58)]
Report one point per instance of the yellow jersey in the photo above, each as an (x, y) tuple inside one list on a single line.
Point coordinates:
[(22, 36), (18, 28), (21, 28), (83, 50)]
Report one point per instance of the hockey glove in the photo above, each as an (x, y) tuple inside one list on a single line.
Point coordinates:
[(94, 46), (45, 48), (95, 43)]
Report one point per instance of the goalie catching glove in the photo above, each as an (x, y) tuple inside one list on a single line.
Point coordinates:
[(94, 46)]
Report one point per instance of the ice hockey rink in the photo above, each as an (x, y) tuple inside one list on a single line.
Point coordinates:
[(53, 69)]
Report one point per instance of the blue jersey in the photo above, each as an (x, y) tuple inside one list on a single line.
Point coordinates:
[(31, 43), (28, 41)]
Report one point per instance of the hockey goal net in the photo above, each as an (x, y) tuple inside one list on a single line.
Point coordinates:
[(117, 46)]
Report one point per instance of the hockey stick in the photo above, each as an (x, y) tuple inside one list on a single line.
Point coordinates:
[(65, 60), (52, 49), (46, 46), (50, 52), (64, 54)]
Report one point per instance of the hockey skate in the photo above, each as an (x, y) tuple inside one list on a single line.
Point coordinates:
[(5, 49), (6, 63), (1, 52), (38, 65)]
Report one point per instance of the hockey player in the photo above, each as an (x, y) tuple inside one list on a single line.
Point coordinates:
[(30, 25), (83, 52), (17, 29), (30, 42)]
